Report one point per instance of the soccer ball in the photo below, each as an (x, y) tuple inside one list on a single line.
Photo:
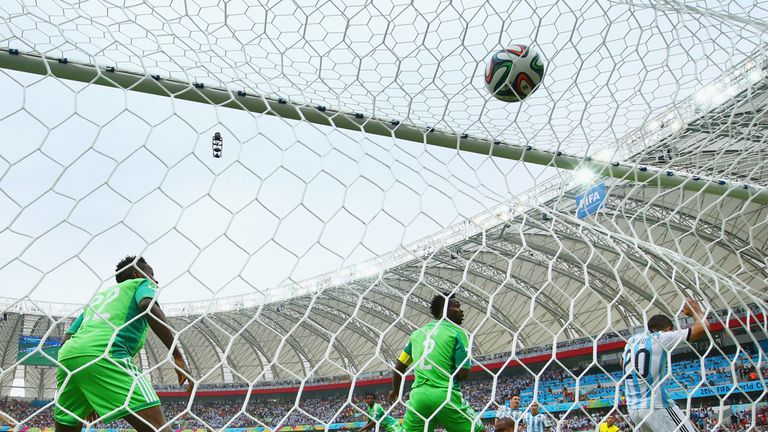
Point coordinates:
[(514, 73)]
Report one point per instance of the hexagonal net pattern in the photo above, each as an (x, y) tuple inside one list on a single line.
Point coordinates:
[(306, 178)]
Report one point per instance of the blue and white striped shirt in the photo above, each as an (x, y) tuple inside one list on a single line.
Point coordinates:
[(645, 361), (535, 423), (507, 412)]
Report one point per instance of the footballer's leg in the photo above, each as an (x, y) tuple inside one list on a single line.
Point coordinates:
[(661, 420), (130, 395), (458, 416), (71, 406), (67, 428), (420, 407), (396, 427), (148, 420)]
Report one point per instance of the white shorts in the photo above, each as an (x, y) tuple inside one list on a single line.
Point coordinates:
[(661, 420)]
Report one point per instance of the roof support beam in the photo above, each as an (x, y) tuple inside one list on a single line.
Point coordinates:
[(242, 330)]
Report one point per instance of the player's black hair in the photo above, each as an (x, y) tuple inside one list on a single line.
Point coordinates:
[(371, 394), (659, 323), (514, 393), (505, 423), (437, 307), (125, 267)]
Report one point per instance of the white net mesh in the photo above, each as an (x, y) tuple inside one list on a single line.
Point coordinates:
[(355, 183)]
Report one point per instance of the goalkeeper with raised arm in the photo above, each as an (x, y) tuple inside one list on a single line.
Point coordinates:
[(376, 414), (438, 352), (96, 371)]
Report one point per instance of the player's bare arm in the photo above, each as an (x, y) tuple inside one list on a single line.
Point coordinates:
[(370, 425), (397, 379), (160, 326), (700, 325)]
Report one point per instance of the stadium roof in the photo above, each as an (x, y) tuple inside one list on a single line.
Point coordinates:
[(527, 272)]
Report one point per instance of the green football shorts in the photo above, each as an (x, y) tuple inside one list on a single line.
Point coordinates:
[(113, 388), (392, 427), (428, 405)]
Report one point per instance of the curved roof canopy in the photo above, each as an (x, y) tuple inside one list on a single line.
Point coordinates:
[(528, 272)]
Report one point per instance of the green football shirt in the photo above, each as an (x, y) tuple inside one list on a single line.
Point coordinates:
[(376, 412), (438, 349), (112, 312)]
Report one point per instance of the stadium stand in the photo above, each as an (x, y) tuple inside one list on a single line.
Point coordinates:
[(554, 389)]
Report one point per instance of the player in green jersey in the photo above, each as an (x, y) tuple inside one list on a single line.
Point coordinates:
[(96, 372), (438, 352), (376, 414)]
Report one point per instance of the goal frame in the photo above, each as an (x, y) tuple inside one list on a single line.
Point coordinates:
[(239, 99)]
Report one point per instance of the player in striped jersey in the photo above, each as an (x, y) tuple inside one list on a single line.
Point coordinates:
[(646, 358), (535, 421), (512, 412), (96, 370)]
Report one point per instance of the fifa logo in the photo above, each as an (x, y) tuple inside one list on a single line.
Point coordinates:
[(586, 202)]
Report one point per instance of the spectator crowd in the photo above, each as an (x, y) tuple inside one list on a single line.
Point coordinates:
[(311, 408), (548, 386)]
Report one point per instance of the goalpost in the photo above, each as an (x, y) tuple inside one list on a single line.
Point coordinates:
[(147, 82), (363, 169)]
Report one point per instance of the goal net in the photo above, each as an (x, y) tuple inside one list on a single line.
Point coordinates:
[(305, 177)]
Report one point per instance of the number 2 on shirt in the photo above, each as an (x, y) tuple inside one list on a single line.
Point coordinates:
[(641, 362), (101, 301), (428, 345)]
